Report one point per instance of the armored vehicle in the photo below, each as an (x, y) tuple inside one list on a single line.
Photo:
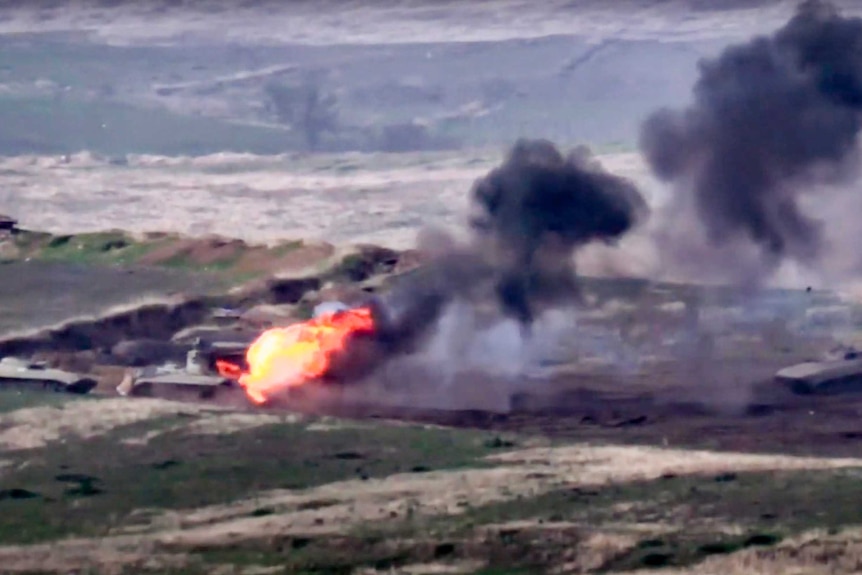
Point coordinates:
[(195, 380), (172, 383), (35, 374), (840, 371)]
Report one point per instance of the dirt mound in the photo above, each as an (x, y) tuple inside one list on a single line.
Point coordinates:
[(151, 320), (105, 338), (212, 253), (199, 251)]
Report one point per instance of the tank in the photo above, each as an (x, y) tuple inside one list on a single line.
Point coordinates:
[(173, 384), (195, 380), (21, 372), (212, 345), (839, 371)]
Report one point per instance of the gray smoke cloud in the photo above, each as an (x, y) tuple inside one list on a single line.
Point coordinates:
[(772, 120)]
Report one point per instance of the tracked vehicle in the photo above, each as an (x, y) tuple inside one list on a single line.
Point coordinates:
[(37, 375), (170, 383), (840, 371), (196, 380)]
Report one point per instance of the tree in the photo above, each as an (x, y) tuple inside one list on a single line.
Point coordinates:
[(305, 108)]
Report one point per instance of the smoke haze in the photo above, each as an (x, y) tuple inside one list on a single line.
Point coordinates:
[(536, 209), (773, 122)]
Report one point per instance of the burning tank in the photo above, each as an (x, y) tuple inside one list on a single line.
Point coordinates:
[(33, 374), (840, 371), (286, 357), (196, 380)]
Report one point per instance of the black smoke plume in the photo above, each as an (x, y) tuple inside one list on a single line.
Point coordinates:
[(768, 115), (536, 209), (533, 212)]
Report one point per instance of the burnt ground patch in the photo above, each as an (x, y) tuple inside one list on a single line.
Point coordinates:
[(89, 486)]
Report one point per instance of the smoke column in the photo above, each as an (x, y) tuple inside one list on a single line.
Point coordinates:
[(536, 209), (464, 328), (533, 212), (772, 120)]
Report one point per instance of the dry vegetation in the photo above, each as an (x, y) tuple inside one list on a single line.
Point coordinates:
[(259, 198), (154, 486)]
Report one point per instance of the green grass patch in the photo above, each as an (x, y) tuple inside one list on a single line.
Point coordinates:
[(106, 247), (180, 470), (12, 399), (88, 247), (118, 248), (184, 261)]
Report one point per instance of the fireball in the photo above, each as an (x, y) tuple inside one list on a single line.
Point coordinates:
[(285, 357)]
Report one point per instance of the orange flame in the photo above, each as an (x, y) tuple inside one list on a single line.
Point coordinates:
[(284, 357), (228, 369)]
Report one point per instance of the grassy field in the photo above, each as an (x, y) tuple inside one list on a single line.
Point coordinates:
[(117, 485), (154, 486), (93, 484)]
